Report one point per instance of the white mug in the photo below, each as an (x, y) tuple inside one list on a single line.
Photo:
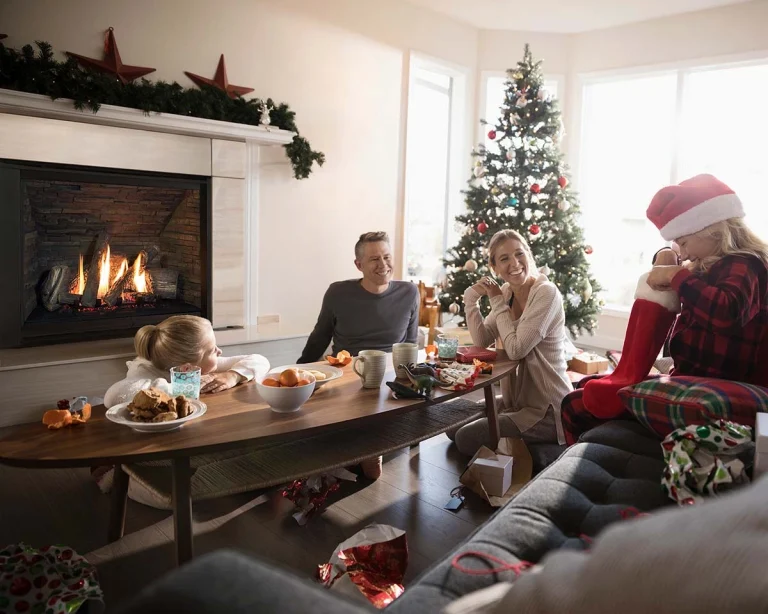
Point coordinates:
[(404, 354), (374, 365)]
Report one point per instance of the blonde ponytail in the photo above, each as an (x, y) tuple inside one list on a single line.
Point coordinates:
[(733, 238), (175, 341)]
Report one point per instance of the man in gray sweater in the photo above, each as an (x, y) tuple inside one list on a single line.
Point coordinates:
[(371, 313)]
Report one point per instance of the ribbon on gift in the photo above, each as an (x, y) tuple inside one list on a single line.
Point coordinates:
[(374, 560), (705, 460)]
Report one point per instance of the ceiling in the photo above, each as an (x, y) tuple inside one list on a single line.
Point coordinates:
[(563, 16)]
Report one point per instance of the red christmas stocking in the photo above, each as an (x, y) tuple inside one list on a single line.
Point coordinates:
[(653, 314)]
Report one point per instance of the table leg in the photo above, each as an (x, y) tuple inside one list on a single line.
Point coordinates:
[(493, 416), (119, 503), (182, 509)]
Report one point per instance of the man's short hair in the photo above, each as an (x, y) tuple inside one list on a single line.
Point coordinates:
[(369, 237)]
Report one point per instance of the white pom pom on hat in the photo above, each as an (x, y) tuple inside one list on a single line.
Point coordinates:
[(691, 206)]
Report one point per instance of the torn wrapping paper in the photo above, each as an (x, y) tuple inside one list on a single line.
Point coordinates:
[(522, 469), (52, 579), (705, 460), (457, 376), (372, 562), (309, 494)]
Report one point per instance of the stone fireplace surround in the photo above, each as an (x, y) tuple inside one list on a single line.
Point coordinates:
[(36, 129)]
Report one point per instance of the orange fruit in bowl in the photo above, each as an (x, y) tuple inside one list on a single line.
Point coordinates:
[(303, 382), (270, 381), (289, 378)]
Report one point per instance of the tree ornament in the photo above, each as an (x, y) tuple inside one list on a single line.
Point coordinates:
[(478, 163), (534, 229), (512, 202), (479, 172), (535, 188), (492, 134), (543, 94), (588, 250), (563, 205), (545, 270), (562, 181), (470, 266), (220, 81), (587, 294), (510, 155), (112, 64), (482, 227), (521, 102), (454, 308), (495, 190)]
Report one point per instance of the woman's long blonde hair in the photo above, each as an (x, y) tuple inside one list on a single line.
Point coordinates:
[(733, 237), (175, 341), (505, 235)]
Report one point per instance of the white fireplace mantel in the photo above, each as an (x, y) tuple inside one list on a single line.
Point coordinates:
[(37, 129), (22, 103)]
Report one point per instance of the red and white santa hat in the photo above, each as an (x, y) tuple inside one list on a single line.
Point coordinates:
[(696, 203)]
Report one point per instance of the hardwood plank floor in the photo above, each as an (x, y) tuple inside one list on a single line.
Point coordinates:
[(64, 506)]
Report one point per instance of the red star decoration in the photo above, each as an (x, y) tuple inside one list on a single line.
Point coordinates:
[(220, 81), (112, 64)]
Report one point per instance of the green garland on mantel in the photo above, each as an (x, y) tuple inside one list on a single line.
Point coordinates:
[(39, 72)]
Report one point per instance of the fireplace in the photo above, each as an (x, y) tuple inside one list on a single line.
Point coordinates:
[(93, 253)]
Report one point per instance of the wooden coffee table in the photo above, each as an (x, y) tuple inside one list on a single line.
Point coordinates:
[(239, 419)]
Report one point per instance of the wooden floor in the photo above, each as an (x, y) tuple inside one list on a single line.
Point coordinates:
[(64, 506)]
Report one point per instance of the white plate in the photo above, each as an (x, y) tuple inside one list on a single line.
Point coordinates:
[(120, 415), (332, 372)]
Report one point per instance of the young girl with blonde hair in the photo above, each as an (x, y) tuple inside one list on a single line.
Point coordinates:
[(527, 320), (177, 341), (716, 277)]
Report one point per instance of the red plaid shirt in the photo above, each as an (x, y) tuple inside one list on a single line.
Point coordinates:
[(723, 322)]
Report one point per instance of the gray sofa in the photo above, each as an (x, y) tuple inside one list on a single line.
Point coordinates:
[(614, 467)]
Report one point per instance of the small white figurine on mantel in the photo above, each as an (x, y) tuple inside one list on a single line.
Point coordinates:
[(264, 120)]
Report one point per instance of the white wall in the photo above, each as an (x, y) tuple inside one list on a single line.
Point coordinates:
[(340, 64)]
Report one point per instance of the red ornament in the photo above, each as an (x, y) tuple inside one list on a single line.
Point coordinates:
[(220, 81), (491, 134), (535, 188), (588, 250), (112, 64), (482, 227), (534, 229), (563, 181)]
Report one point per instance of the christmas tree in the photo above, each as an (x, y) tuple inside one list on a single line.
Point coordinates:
[(521, 183)]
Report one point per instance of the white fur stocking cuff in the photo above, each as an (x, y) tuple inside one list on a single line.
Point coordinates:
[(666, 298)]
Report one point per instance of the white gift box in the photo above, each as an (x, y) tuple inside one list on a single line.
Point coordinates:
[(495, 474), (761, 445)]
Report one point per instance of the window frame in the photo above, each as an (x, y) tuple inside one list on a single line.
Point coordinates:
[(457, 162), (616, 316)]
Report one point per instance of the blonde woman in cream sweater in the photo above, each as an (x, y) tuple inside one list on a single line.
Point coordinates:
[(528, 321)]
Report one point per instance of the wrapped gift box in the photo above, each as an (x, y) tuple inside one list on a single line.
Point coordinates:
[(495, 474), (588, 364)]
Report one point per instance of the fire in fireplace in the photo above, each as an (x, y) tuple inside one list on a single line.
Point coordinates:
[(99, 254)]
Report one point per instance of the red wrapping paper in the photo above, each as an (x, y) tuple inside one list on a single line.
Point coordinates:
[(374, 559)]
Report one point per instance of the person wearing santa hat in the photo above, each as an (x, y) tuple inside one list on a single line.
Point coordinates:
[(715, 277)]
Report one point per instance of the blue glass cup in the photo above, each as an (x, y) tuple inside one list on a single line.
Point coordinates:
[(185, 380), (447, 346)]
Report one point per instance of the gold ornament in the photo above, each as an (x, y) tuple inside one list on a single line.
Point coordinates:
[(587, 294), (454, 308)]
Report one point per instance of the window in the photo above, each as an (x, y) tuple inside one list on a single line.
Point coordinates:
[(640, 133), (436, 164), (495, 87)]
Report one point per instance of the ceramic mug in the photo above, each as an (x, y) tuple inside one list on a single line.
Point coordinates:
[(374, 366), (404, 354)]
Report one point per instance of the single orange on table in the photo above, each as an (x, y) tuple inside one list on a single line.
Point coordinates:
[(342, 359)]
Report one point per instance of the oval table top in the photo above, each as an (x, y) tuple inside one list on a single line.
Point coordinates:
[(236, 418)]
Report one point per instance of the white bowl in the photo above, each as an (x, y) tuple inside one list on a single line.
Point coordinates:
[(120, 415), (285, 399), (331, 373)]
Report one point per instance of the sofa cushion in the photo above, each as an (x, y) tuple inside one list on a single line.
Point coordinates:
[(593, 484), (668, 403)]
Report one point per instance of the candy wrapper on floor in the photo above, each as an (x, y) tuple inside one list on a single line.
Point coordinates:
[(309, 494), (52, 579), (705, 460), (372, 562)]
